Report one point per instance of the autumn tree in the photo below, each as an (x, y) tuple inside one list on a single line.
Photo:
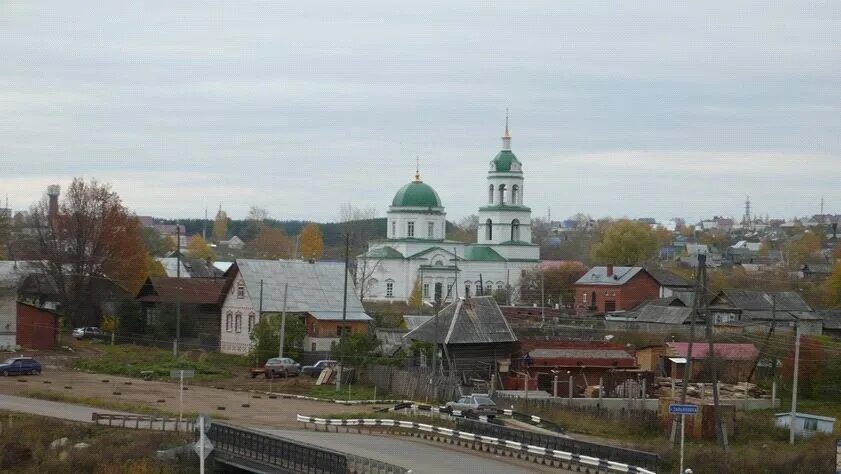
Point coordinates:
[(797, 252), (626, 242), (220, 226), (271, 244), (832, 286), (265, 339), (310, 242), (155, 243), (197, 247), (90, 235)]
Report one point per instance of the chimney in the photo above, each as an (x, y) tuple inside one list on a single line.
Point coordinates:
[(610, 269), (52, 211)]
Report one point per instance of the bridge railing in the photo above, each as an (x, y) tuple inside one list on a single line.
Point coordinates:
[(286, 455), (602, 451)]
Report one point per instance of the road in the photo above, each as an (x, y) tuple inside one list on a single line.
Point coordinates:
[(418, 455), (65, 411)]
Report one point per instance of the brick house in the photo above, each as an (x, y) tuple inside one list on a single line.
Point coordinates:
[(611, 288)]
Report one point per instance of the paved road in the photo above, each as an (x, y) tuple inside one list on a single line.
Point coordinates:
[(417, 455), (66, 411)]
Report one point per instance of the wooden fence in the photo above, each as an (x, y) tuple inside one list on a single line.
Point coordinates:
[(412, 384)]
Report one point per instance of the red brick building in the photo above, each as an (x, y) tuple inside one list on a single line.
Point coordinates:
[(610, 288), (585, 361), (36, 327)]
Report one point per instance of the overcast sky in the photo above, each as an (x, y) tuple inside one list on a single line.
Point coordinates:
[(617, 108)]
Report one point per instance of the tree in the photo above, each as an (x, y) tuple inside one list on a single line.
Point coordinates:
[(349, 213), (558, 283), (626, 242), (798, 252), (465, 229), (265, 337), (832, 286), (257, 214), (90, 235), (155, 243), (357, 349), (271, 244), (220, 226), (197, 247), (5, 233), (310, 242), (364, 270), (416, 298)]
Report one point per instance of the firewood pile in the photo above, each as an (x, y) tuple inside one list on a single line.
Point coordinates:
[(662, 388)]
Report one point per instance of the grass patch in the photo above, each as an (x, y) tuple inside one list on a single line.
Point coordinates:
[(354, 392), (133, 361), (25, 440), (129, 407)]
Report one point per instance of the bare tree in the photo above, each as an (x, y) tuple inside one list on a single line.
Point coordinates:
[(365, 269), (348, 212)]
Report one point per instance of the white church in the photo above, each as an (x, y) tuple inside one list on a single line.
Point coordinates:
[(416, 248)]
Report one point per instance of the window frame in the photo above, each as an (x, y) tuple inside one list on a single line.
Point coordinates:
[(410, 229)]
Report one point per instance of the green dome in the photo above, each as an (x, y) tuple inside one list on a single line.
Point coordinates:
[(506, 162), (416, 194)]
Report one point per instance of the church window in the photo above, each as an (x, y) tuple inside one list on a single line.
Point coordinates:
[(410, 229), (515, 230), (500, 286), (389, 289), (439, 263), (489, 288), (515, 194), (491, 194), (393, 229), (426, 290), (430, 230), (502, 194), (489, 233)]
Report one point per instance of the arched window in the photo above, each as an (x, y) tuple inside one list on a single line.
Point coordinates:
[(489, 288), (229, 321), (238, 322), (515, 230), (491, 194), (389, 288), (502, 194), (489, 233), (515, 194), (252, 321)]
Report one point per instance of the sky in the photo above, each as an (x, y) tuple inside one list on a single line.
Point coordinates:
[(617, 108)]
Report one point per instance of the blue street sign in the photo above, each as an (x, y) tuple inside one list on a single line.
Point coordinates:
[(678, 409)]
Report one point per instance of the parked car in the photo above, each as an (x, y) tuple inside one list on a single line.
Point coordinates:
[(89, 332), (281, 366), (315, 370), (476, 404), (20, 366)]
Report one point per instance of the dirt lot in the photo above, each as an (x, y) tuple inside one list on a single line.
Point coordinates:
[(262, 411)]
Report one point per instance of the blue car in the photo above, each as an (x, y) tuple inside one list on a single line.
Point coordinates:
[(20, 366)]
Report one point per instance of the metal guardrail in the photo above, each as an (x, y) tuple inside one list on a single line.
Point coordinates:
[(539, 452), (622, 455), (276, 453), (144, 422)]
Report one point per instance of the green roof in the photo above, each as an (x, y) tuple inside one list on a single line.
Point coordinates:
[(482, 253), (503, 161), (384, 252), (431, 249), (416, 194)]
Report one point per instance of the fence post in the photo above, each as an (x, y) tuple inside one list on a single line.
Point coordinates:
[(601, 389), (570, 389)]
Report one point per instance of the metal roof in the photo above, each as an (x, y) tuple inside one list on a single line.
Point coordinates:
[(413, 321), (664, 314), (667, 278), (574, 353), (315, 288), (598, 276), (467, 321)]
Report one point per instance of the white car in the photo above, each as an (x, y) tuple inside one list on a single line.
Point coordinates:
[(89, 332)]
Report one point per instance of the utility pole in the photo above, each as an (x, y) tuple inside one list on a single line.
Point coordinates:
[(767, 340), (542, 299), (283, 319), (260, 314), (344, 317), (687, 368), (721, 433), (793, 415), (178, 297)]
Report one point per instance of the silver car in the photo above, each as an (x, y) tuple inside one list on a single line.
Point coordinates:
[(281, 367), (479, 404)]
